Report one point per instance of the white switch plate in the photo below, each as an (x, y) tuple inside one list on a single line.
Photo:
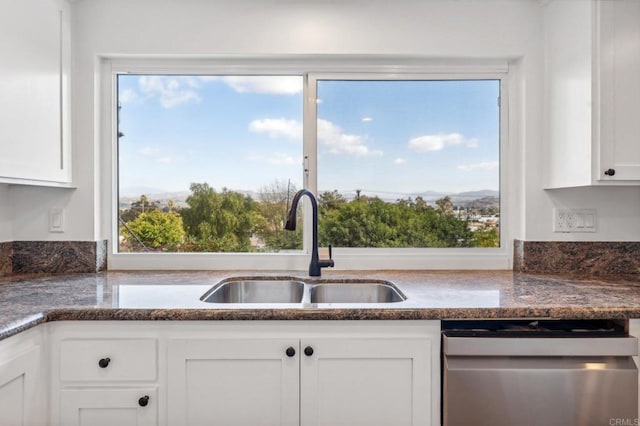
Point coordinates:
[(575, 220), (56, 220)]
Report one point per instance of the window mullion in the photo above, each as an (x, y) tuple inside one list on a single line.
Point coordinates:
[(310, 151)]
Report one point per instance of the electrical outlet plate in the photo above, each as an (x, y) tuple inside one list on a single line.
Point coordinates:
[(574, 220)]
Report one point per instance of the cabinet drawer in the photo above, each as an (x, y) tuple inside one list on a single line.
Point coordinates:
[(108, 360), (109, 407)]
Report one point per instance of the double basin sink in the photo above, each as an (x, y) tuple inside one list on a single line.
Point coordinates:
[(293, 290)]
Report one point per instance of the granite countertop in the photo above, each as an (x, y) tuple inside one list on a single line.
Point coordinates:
[(27, 301)]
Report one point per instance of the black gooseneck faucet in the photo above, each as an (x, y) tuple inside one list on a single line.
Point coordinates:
[(315, 265)]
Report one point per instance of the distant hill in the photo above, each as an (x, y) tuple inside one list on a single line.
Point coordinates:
[(478, 194), (480, 198), (483, 202)]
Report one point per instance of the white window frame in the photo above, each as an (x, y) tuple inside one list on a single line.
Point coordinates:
[(313, 69)]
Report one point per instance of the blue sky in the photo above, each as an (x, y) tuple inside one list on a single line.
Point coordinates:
[(245, 132)]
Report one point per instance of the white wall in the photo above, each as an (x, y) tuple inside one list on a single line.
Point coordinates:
[(436, 28), (6, 228)]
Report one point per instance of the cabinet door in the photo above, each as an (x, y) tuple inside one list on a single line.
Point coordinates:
[(370, 381), (233, 382), (109, 407), (34, 40), (17, 387), (619, 47)]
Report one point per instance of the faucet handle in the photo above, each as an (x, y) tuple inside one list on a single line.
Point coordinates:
[(324, 261), (324, 253)]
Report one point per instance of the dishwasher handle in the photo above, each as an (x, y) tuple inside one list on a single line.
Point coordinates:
[(534, 346)]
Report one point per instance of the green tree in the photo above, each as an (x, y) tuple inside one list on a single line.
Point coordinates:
[(171, 206), (371, 222), (157, 230), (445, 205), (486, 237), (331, 200), (363, 222), (273, 207), (219, 221), (143, 205)]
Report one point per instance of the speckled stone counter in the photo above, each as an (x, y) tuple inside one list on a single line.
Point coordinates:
[(28, 301)]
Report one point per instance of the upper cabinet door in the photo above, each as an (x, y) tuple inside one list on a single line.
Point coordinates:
[(619, 60), (592, 78), (34, 79)]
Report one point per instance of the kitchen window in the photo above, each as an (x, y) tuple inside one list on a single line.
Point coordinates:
[(404, 165)]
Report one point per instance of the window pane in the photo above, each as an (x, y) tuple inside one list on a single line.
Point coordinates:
[(207, 163), (409, 163)]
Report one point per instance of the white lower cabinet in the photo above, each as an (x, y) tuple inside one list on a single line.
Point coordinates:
[(236, 373), (307, 373), (22, 390), (104, 374)]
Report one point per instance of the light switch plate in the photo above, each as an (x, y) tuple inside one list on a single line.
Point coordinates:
[(56, 219)]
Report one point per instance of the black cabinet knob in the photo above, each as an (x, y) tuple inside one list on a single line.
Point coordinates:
[(144, 401), (290, 351), (308, 351), (104, 362), (610, 172)]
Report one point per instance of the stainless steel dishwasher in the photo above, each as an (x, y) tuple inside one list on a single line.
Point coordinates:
[(542, 373)]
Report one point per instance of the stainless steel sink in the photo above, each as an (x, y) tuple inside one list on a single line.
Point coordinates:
[(256, 291), (295, 291), (356, 292)]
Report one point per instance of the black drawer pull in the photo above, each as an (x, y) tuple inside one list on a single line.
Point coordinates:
[(144, 401), (104, 362)]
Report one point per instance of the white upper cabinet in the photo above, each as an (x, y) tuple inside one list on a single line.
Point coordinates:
[(592, 86), (619, 62), (34, 92)]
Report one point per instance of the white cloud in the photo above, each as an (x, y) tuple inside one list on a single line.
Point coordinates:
[(128, 96), (148, 151), (176, 90), (170, 91), (168, 159), (432, 143), (283, 160), (207, 78), (337, 142), (399, 161), (479, 166), (472, 143), (275, 85), (157, 155), (277, 159), (367, 119), (277, 128)]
